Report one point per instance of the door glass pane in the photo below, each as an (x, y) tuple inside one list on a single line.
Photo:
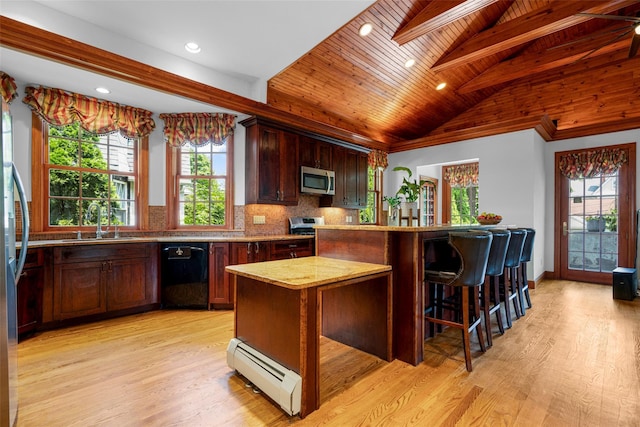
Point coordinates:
[(593, 223)]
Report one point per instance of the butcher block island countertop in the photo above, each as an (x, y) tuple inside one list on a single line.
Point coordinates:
[(300, 273)]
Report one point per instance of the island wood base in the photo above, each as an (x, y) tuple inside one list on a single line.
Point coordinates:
[(285, 324)]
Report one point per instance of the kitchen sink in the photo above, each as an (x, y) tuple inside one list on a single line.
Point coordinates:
[(93, 239)]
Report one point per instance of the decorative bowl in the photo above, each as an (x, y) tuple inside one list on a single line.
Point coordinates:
[(489, 221), (489, 218)]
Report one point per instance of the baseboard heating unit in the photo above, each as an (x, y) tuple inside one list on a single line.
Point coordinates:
[(279, 383)]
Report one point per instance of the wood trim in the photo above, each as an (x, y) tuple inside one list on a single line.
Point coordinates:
[(172, 194), (142, 178), (626, 230), (38, 195), (32, 40)]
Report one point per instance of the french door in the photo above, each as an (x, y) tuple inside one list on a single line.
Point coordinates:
[(595, 229)]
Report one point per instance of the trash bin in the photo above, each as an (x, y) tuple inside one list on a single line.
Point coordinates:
[(625, 283)]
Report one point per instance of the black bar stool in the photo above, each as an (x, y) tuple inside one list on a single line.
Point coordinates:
[(491, 287), (523, 283), (473, 249), (511, 264)]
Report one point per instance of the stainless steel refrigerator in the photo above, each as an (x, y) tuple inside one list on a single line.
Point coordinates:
[(10, 271)]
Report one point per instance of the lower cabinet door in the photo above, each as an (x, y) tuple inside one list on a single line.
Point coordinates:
[(79, 289), (129, 284)]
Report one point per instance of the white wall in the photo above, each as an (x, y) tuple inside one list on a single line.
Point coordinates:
[(516, 177)]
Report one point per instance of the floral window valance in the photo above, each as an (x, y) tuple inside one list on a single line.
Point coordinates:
[(8, 87), (197, 128), (587, 164), (97, 116), (378, 159), (464, 175)]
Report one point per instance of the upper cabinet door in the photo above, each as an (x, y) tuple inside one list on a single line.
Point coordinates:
[(272, 165)]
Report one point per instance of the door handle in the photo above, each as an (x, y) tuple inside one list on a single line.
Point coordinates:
[(564, 228)]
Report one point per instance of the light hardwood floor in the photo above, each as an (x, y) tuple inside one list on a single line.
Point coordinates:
[(573, 360)]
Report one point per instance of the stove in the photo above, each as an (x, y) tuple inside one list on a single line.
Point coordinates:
[(304, 225)]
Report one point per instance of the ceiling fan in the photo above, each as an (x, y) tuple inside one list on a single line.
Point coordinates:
[(634, 29)]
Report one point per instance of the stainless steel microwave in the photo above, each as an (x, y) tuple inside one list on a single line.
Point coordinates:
[(317, 181)]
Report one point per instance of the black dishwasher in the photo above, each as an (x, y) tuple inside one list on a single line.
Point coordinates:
[(184, 279)]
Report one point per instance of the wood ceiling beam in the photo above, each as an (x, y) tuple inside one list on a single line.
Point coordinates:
[(543, 125), (436, 15), (539, 23), (528, 64)]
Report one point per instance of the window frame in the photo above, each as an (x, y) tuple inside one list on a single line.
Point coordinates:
[(40, 221), (377, 191), (446, 200), (173, 191)]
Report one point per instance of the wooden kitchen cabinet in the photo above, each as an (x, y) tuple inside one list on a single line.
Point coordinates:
[(220, 293), (30, 289), (245, 253), (99, 279), (350, 167), (315, 153), (272, 168), (285, 249)]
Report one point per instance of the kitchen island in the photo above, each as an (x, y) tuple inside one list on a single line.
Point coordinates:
[(282, 307), (407, 250)]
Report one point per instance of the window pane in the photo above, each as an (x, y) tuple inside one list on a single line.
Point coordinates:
[(64, 183), (95, 185), (121, 159), (123, 212), (219, 164), (186, 189), (202, 190), (202, 165), (63, 211), (94, 156), (217, 192)]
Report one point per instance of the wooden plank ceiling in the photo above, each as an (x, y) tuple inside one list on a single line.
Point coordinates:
[(508, 65)]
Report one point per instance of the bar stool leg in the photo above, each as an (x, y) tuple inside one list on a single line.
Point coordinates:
[(496, 298), (486, 302), (466, 342)]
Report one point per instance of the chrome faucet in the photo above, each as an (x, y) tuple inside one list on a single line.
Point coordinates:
[(99, 231)]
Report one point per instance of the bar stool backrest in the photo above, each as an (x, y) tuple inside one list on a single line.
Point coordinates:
[(527, 250), (473, 248), (498, 252), (514, 250)]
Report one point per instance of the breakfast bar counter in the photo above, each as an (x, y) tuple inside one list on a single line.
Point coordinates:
[(407, 250), (282, 307)]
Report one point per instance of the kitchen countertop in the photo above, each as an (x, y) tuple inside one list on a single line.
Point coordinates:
[(407, 228), (300, 273), (163, 239)]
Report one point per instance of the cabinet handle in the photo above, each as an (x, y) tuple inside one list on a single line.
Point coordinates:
[(249, 248), (104, 265), (110, 265), (257, 247), (277, 194)]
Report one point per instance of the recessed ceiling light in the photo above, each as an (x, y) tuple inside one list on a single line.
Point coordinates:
[(441, 86), (102, 90), (365, 29), (637, 29), (410, 63), (192, 47)]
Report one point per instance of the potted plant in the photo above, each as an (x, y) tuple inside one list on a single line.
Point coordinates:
[(394, 205), (409, 189), (595, 223)]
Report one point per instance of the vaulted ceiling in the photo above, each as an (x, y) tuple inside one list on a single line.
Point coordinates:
[(507, 64)]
